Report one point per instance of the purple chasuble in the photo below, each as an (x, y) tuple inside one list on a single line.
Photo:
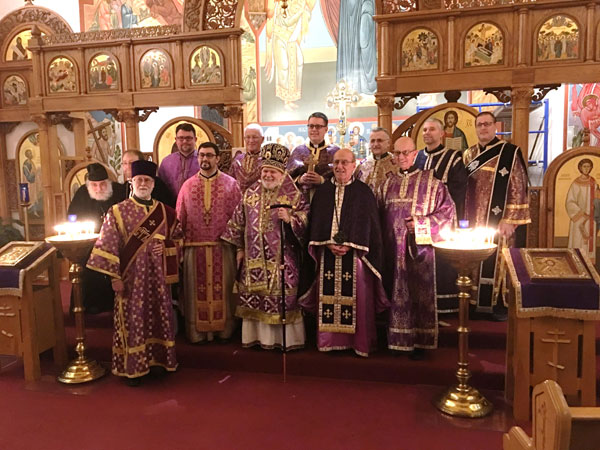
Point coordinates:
[(409, 276), (143, 314), (245, 168), (254, 227), (176, 168)]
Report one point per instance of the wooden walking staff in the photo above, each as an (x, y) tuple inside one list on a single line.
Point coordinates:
[(282, 272)]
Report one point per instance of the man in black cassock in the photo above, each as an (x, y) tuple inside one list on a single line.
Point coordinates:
[(90, 203), (345, 241), (160, 192)]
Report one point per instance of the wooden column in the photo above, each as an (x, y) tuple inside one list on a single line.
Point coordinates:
[(5, 128), (522, 39), (521, 101), (384, 48), (235, 114), (132, 134), (450, 44), (385, 109), (46, 161), (590, 33)]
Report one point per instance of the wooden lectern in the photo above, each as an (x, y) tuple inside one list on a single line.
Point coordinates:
[(554, 299), (31, 316)]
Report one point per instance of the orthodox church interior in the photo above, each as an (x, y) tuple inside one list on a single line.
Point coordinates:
[(82, 81)]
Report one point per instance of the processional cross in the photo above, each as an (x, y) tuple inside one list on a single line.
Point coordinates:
[(95, 131), (342, 98)]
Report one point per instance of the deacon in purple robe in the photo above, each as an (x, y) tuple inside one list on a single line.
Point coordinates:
[(183, 164), (204, 206), (415, 206), (245, 167), (345, 242), (310, 164), (138, 249), (254, 229)]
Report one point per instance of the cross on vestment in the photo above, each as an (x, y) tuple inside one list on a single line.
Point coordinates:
[(328, 313), (346, 314), (328, 275), (347, 276), (152, 222)]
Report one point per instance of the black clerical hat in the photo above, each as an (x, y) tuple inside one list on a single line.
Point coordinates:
[(142, 167), (97, 172)]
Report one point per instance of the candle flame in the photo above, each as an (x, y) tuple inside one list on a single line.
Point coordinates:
[(75, 230), (468, 238)]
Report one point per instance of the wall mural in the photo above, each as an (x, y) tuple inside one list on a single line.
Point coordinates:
[(61, 76), (155, 68), (249, 69), (103, 73), (420, 50), (583, 111), (104, 138), (484, 45), (14, 91), (577, 204), (205, 67), (558, 38), (113, 14)]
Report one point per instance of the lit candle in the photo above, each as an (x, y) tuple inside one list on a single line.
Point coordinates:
[(24, 192)]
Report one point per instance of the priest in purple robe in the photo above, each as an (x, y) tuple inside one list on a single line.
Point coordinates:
[(183, 164), (310, 164), (204, 206), (138, 249), (254, 229), (415, 206), (345, 241), (245, 167)]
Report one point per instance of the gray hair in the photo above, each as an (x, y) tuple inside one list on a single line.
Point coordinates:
[(254, 126)]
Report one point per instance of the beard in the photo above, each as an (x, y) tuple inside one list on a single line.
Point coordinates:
[(101, 196)]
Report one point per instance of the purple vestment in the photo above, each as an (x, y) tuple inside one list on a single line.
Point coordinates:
[(255, 228), (409, 277), (176, 168), (347, 291), (204, 207), (245, 168), (297, 162), (144, 332)]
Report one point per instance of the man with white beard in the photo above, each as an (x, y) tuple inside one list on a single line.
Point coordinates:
[(91, 203)]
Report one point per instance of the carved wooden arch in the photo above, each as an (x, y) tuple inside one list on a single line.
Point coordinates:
[(76, 168), (88, 71), (534, 43), (200, 15), (426, 114), (77, 70), (23, 18), (216, 134), (463, 36), (547, 201), (440, 50)]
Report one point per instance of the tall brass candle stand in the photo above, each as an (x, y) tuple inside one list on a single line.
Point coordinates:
[(463, 400), (76, 249)]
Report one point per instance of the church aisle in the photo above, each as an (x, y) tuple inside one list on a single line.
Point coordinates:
[(193, 409)]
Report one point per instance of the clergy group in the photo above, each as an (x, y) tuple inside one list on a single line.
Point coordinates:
[(290, 237)]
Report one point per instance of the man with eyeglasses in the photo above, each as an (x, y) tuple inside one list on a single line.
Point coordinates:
[(373, 171), (245, 166), (310, 164), (497, 197), (204, 206), (345, 242), (415, 206), (183, 164), (447, 166)]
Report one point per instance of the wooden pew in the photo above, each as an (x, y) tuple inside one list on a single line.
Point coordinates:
[(556, 426)]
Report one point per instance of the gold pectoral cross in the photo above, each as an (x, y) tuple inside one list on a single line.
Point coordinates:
[(311, 162)]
